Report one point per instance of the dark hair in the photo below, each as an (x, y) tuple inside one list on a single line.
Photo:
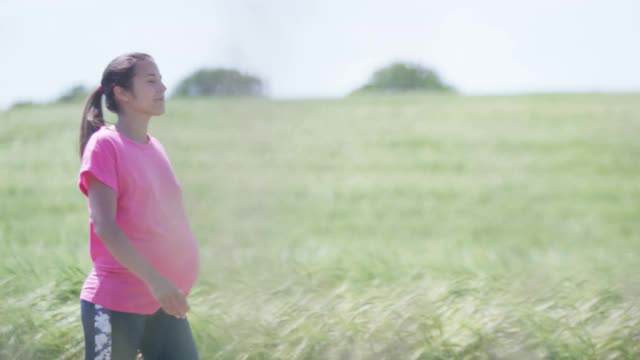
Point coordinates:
[(119, 72)]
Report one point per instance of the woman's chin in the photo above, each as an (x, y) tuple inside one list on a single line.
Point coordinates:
[(158, 110)]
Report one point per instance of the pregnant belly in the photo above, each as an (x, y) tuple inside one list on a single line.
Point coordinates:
[(177, 259)]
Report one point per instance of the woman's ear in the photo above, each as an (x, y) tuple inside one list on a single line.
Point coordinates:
[(120, 93)]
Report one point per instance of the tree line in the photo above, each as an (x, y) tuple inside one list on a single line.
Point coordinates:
[(397, 77)]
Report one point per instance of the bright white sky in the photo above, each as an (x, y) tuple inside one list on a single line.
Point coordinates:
[(325, 48)]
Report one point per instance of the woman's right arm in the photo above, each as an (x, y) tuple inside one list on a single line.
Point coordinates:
[(103, 204)]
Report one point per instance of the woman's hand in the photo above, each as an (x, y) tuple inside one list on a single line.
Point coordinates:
[(170, 297)]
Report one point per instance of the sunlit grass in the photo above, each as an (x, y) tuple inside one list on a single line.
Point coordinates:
[(394, 227)]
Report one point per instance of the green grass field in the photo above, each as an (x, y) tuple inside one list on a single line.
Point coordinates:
[(399, 227)]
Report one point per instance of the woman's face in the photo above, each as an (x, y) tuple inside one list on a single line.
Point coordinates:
[(148, 90)]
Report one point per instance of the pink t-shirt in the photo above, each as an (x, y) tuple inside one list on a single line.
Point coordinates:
[(151, 213)]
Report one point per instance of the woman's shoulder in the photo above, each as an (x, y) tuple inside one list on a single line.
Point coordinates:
[(103, 137), (107, 131)]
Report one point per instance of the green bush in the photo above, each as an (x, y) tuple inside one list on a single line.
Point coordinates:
[(401, 77), (74, 93), (220, 82)]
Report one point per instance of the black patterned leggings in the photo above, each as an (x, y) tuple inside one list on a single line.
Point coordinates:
[(117, 335)]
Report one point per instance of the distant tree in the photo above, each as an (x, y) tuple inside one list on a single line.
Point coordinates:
[(220, 82), (76, 92), (401, 77), (21, 104)]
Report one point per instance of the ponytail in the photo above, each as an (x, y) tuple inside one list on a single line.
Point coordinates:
[(92, 118)]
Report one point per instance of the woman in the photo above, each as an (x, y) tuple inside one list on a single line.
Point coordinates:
[(145, 258)]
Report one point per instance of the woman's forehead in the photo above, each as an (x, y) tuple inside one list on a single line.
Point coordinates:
[(146, 68)]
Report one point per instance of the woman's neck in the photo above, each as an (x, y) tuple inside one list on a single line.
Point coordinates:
[(133, 128)]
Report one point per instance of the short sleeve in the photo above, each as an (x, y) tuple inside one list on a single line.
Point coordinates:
[(98, 161)]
